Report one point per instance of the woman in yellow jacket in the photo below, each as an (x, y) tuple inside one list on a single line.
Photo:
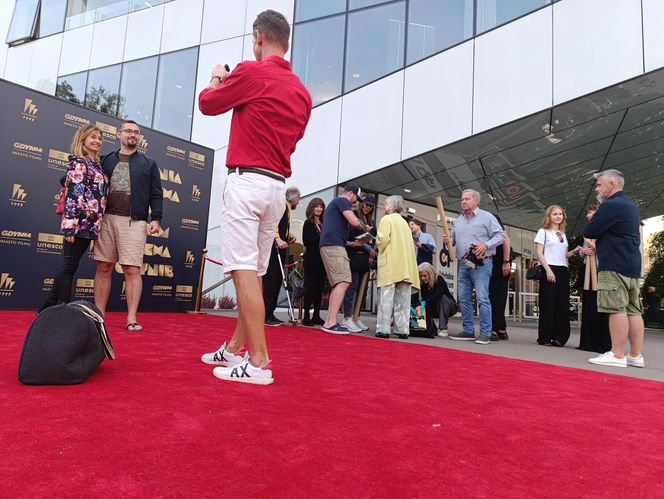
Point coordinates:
[(397, 270)]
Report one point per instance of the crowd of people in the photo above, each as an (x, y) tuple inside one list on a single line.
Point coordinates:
[(116, 200)]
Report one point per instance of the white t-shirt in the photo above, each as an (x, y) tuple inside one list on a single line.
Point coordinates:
[(555, 252)]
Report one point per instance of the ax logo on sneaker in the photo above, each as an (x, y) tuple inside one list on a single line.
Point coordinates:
[(245, 373)]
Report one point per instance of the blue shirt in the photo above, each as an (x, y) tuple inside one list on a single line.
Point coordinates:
[(479, 228), (426, 252), (615, 226), (335, 225)]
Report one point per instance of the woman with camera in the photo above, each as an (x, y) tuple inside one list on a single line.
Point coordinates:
[(551, 247)]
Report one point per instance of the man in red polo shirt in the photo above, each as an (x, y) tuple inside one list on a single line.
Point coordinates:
[(271, 109)]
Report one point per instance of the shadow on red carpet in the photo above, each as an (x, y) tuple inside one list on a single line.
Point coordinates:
[(346, 417)]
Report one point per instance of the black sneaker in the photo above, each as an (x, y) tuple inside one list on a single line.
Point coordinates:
[(317, 321), (494, 336), (273, 321), (403, 336), (308, 322)]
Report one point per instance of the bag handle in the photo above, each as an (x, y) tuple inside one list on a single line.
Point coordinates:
[(101, 328)]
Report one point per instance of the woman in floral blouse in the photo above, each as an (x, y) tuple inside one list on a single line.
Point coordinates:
[(85, 202)]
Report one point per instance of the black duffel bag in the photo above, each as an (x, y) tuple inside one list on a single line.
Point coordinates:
[(64, 345)]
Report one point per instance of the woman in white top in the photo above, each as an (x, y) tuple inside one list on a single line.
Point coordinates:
[(552, 252)]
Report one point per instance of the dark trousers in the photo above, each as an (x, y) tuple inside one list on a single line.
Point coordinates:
[(71, 256), (272, 282), (314, 279), (498, 287), (554, 307), (443, 310)]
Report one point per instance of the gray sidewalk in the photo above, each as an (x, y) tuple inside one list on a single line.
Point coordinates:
[(522, 345)]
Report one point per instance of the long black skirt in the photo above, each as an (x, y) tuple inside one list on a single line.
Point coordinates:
[(595, 336)]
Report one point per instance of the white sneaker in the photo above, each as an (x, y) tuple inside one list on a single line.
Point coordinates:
[(361, 325), (222, 357), (608, 359), (245, 373), (443, 333), (636, 361), (351, 326)]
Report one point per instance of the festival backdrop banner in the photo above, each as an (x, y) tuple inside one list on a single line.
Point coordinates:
[(36, 131)]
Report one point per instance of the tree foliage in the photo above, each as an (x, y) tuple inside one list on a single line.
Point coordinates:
[(655, 276)]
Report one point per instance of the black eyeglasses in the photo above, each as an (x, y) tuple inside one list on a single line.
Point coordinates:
[(131, 132), (560, 237)]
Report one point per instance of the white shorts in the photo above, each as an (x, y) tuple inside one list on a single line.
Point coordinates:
[(253, 206)]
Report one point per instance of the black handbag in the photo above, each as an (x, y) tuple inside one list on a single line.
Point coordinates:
[(536, 271)]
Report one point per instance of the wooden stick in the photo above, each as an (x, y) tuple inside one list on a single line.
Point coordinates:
[(443, 219), (359, 295)]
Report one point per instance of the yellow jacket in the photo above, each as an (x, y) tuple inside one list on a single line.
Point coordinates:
[(396, 252)]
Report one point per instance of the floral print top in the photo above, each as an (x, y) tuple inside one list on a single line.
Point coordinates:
[(85, 202)]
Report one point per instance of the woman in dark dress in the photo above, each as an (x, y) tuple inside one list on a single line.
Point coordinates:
[(314, 272), (439, 302), (85, 201), (595, 336)]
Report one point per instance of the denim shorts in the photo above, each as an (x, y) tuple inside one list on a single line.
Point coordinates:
[(617, 294)]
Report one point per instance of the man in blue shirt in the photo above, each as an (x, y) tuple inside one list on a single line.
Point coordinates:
[(425, 246), (475, 233), (615, 226), (338, 217)]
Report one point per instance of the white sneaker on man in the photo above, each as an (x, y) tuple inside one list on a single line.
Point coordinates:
[(361, 325), (222, 357), (637, 361), (351, 326), (443, 333), (245, 373), (608, 359)]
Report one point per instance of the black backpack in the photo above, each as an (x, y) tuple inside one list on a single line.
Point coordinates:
[(64, 345)]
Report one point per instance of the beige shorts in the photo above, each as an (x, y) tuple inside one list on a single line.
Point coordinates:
[(121, 240), (617, 294), (337, 264), (253, 206)]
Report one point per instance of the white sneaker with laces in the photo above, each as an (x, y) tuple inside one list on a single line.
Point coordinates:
[(361, 325), (637, 361), (608, 359), (245, 373), (443, 333), (222, 357), (351, 326)]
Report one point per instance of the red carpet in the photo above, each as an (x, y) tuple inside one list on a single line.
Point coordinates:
[(346, 417)]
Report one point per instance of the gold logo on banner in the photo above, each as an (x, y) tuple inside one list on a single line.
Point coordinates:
[(15, 237), (154, 250), (142, 145), (175, 152), (189, 223), (171, 195), (6, 284), (27, 151), (18, 196), (157, 270), (47, 284), (189, 260), (107, 131), (195, 194), (29, 110), (184, 292), (85, 288), (58, 160), (170, 176), (196, 160), (49, 243), (75, 121), (162, 233), (162, 290)]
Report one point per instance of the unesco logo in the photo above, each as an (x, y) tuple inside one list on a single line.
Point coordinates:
[(196, 160), (18, 196), (30, 111)]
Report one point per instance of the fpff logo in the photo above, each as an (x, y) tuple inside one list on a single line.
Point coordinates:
[(6, 284), (142, 145), (18, 196), (189, 260), (195, 194), (29, 110)]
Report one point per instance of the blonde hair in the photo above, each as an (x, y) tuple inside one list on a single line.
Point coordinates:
[(429, 270), (546, 220), (77, 147)]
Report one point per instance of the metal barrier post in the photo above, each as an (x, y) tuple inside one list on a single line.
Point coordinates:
[(197, 306)]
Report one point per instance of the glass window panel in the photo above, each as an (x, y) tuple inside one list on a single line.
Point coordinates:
[(82, 12), (137, 88), (311, 9), (375, 43), (358, 4), (102, 92), (135, 5), (318, 56), (23, 22), (52, 17), (492, 13), (434, 25), (175, 92), (72, 87)]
